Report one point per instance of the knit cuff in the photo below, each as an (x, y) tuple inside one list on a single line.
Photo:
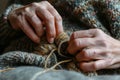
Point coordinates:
[(4, 15)]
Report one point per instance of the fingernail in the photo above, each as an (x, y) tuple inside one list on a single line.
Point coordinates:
[(51, 40)]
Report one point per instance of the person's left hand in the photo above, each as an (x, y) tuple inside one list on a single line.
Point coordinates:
[(94, 50), (36, 18)]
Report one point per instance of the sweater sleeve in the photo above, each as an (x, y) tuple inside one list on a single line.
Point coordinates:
[(7, 33)]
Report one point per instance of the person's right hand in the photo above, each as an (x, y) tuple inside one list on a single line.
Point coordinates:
[(32, 18)]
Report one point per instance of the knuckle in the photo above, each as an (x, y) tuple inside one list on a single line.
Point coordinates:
[(50, 18), (34, 4), (94, 66), (59, 18), (52, 34), (45, 2), (98, 30), (86, 53), (33, 17), (39, 24), (41, 7), (77, 43), (75, 34), (94, 52), (103, 42), (89, 53), (19, 13), (27, 9)]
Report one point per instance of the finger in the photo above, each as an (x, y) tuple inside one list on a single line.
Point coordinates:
[(14, 21), (35, 23), (49, 22), (84, 34), (91, 54), (58, 19), (28, 30), (114, 66), (95, 65), (115, 63), (77, 45)]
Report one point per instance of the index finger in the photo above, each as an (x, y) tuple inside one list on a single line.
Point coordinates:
[(77, 45), (83, 33)]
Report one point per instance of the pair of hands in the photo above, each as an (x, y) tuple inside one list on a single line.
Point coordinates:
[(92, 48)]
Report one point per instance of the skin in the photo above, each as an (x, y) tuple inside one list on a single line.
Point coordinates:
[(35, 19), (94, 50)]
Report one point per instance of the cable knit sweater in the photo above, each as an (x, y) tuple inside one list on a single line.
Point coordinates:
[(77, 15)]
